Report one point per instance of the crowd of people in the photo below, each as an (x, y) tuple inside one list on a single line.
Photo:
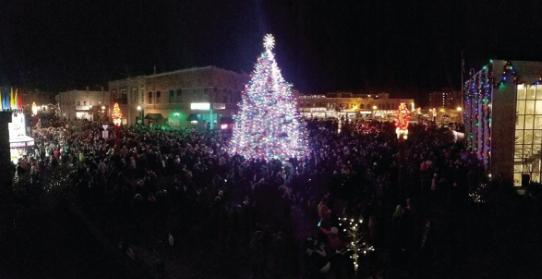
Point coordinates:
[(165, 194)]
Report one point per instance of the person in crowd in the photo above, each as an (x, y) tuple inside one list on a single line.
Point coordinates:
[(157, 181)]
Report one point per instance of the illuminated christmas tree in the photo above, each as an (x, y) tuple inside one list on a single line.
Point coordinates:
[(116, 114), (401, 121), (267, 125)]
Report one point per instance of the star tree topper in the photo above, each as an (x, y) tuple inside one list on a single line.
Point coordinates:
[(269, 42)]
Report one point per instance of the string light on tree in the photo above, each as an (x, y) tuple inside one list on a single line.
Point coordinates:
[(356, 242), (402, 120), (268, 125), (116, 115)]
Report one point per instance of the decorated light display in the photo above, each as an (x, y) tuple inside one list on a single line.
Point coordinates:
[(477, 109), (116, 115), (401, 121), (267, 125), (356, 242), (34, 109)]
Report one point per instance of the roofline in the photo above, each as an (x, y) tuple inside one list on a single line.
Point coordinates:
[(194, 69), (210, 67)]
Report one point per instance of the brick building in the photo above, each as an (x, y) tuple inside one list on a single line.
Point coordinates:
[(180, 98), (83, 104)]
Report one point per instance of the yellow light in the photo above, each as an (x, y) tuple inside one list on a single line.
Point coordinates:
[(375, 107), (138, 107), (459, 108)]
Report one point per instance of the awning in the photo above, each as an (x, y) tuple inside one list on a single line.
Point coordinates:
[(154, 116), (192, 117), (226, 120), (21, 142)]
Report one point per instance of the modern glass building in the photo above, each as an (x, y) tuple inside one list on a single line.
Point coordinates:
[(503, 119)]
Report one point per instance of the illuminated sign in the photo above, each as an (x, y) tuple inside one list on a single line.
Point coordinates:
[(200, 106), (365, 112), (173, 122), (219, 106), (17, 126)]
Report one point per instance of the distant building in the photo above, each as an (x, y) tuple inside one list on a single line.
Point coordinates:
[(83, 104), (446, 99), (349, 105), (39, 97), (181, 98), (45, 101), (503, 119)]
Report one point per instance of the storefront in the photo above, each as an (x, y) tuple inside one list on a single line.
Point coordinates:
[(84, 112)]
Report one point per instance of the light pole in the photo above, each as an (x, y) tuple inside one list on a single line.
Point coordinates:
[(139, 111)]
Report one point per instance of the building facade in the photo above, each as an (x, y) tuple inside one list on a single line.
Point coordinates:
[(503, 119), (446, 99), (83, 104), (182, 98), (350, 105)]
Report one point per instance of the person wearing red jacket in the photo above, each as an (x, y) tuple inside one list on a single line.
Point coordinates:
[(334, 242)]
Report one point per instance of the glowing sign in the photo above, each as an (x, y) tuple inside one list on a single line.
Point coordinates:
[(200, 106), (219, 106)]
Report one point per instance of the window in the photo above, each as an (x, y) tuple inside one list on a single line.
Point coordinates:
[(361, 106), (528, 136), (78, 103), (179, 95), (134, 96), (84, 103), (171, 96), (142, 96), (205, 95), (158, 97), (149, 101), (123, 94)]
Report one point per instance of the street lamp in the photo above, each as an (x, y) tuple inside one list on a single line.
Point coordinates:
[(375, 107), (103, 107), (459, 108), (140, 112)]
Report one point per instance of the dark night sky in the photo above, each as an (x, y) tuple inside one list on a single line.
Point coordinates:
[(404, 47)]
